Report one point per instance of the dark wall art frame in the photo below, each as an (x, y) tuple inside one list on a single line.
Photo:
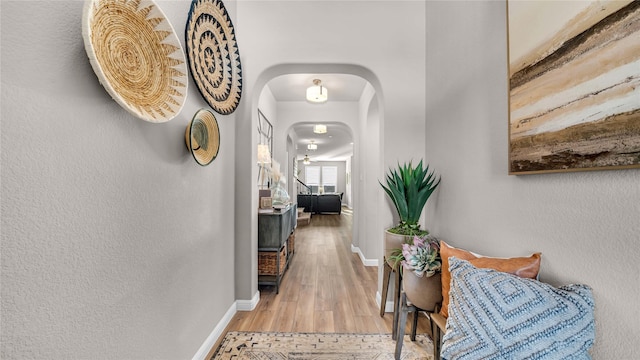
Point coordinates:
[(574, 86)]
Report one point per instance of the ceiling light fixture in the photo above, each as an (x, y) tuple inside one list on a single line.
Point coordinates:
[(306, 160), (317, 93), (312, 146), (320, 129)]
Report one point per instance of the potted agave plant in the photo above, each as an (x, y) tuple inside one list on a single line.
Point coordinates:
[(421, 268), (409, 188)]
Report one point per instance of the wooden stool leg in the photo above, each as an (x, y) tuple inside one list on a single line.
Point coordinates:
[(402, 323), (437, 343), (435, 332), (386, 275), (396, 303), (414, 326)]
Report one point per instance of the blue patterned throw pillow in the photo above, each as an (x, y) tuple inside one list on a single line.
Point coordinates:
[(495, 315)]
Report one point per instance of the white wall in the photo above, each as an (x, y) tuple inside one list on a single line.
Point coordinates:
[(290, 168), (585, 224), (348, 198), (115, 243), (369, 239), (360, 38)]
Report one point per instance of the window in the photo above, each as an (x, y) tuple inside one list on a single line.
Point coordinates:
[(325, 177), (329, 178), (312, 177)]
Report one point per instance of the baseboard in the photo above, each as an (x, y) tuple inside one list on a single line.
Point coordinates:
[(365, 261), (388, 307), (216, 333), (248, 305), (238, 305)]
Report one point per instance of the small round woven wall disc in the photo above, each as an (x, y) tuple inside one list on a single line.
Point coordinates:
[(203, 137), (137, 57), (212, 52)]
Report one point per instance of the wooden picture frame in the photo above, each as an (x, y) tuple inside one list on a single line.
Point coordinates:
[(574, 85), (266, 202)]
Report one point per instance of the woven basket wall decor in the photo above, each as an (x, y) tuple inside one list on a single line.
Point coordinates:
[(203, 137), (137, 57), (212, 52)]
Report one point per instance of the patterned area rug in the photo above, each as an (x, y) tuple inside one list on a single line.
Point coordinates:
[(305, 346)]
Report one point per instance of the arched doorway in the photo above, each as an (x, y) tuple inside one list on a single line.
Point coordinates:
[(364, 206)]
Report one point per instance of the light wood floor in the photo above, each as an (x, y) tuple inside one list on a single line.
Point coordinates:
[(326, 288)]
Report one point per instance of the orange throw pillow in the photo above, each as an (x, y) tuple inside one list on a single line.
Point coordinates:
[(525, 267)]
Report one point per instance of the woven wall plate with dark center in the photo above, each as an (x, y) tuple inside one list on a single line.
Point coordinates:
[(137, 56), (213, 55), (203, 137)]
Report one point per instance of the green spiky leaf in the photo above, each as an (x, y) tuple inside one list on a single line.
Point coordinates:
[(409, 189)]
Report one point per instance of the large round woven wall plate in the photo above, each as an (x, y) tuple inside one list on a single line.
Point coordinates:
[(137, 57), (203, 137), (212, 52)]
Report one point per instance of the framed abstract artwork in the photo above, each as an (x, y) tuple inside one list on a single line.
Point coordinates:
[(574, 85)]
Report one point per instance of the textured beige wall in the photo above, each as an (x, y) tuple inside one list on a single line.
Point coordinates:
[(115, 243), (585, 224)]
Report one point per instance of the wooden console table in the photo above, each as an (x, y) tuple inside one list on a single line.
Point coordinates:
[(275, 230)]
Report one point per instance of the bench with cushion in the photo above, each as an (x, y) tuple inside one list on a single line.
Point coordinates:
[(496, 308)]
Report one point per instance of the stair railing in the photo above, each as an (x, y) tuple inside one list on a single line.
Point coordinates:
[(306, 188)]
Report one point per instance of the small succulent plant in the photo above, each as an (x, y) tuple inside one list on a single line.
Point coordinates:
[(422, 256)]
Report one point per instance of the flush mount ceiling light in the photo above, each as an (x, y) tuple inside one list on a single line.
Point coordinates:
[(312, 146), (306, 160), (320, 129), (317, 93)]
